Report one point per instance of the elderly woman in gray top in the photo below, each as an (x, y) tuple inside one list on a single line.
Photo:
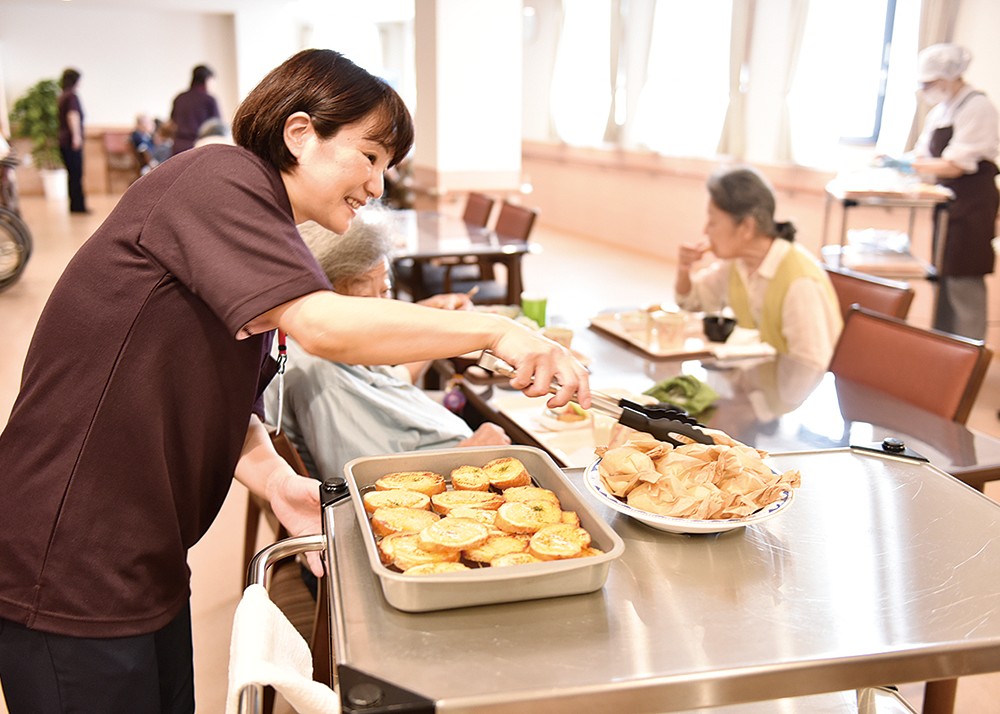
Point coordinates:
[(334, 412)]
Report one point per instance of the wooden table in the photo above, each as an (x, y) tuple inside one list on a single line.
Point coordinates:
[(425, 237)]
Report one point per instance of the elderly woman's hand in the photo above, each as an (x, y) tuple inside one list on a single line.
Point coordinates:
[(448, 301), (691, 253)]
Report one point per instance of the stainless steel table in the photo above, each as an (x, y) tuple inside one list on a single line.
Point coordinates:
[(883, 570)]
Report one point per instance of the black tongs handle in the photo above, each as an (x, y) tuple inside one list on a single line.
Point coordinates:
[(662, 423)]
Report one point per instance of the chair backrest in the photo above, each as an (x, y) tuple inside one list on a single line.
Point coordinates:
[(890, 297), (933, 370), (515, 221), (478, 207)]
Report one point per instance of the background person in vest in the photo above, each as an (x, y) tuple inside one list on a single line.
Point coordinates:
[(958, 147), (771, 285)]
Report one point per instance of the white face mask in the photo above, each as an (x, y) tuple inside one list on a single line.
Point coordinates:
[(934, 95)]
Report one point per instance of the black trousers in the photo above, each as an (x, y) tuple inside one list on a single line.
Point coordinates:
[(42, 673), (73, 158)]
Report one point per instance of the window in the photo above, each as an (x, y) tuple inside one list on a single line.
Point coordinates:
[(581, 86), (683, 104), (853, 52)]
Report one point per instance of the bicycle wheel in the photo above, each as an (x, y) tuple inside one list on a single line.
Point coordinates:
[(15, 247)]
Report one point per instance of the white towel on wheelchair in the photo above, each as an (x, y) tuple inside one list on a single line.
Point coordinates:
[(266, 649)]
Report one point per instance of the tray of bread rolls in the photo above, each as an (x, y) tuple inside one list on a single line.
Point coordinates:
[(477, 526)]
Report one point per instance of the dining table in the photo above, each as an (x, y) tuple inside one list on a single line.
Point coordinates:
[(421, 238), (769, 401), (880, 568)]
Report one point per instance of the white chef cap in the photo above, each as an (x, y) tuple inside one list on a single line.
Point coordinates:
[(943, 61)]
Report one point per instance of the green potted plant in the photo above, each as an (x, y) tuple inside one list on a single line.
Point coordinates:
[(35, 117)]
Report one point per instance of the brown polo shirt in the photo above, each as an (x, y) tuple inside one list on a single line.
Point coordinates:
[(136, 394)]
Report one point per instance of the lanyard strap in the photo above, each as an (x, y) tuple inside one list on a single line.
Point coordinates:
[(282, 359)]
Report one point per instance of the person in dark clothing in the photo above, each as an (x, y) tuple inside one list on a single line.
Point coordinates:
[(120, 450), (71, 139), (193, 108)]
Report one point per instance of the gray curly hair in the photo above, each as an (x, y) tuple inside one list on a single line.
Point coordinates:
[(346, 258)]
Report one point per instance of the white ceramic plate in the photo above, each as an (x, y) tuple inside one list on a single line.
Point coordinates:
[(592, 478)]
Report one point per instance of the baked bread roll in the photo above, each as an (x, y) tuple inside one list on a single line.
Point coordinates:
[(529, 493), (513, 559), (527, 516), (395, 498), (507, 472), (570, 517), (558, 541), (435, 568), (452, 535), (389, 519), (486, 516), (423, 481), (443, 503), (470, 478), (496, 545), (407, 552)]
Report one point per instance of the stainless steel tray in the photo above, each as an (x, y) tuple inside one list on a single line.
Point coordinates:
[(484, 586)]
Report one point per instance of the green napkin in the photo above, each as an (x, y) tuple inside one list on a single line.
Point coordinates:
[(687, 392)]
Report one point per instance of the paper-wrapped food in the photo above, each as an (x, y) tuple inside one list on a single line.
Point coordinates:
[(726, 479)]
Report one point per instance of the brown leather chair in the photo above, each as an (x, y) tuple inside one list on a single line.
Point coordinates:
[(890, 297), (120, 158), (933, 370), (514, 223), (478, 207)]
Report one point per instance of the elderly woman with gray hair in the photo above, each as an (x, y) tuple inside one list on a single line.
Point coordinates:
[(771, 284), (334, 412)]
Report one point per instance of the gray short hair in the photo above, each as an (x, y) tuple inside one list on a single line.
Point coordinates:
[(742, 192), (347, 257)]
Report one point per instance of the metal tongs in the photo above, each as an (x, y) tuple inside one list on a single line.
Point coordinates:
[(663, 423)]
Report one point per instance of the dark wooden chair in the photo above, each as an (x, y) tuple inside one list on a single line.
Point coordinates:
[(514, 223), (890, 297), (478, 208)]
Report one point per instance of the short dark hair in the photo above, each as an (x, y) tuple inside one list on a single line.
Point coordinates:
[(200, 75), (743, 192), (334, 92), (70, 77)]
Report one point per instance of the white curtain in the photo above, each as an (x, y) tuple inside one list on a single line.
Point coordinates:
[(937, 24), (733, 139), (798, 14), (631, 38)]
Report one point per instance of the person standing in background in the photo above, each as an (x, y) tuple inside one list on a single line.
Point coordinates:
[(71, 139), (958, 147), (193, 108)]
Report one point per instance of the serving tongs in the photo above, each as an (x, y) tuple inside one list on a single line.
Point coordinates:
[(662, 423)]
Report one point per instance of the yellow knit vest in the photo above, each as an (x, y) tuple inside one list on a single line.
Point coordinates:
[(796, 264)]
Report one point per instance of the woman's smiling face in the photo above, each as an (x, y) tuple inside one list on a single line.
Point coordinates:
[(334, 177)]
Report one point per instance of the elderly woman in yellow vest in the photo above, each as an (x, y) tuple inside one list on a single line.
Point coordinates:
[(770, 283)]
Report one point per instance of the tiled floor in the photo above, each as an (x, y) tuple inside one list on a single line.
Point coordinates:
[(581, 276)]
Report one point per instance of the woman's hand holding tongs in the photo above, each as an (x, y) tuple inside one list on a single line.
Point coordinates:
[(542, 366)]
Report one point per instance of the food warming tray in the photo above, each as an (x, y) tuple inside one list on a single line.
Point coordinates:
[(482, 586)]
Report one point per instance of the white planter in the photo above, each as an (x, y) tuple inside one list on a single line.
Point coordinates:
[(54, 183)]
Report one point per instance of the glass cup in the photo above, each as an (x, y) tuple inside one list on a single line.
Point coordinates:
[(533, 305), (669, 329)]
